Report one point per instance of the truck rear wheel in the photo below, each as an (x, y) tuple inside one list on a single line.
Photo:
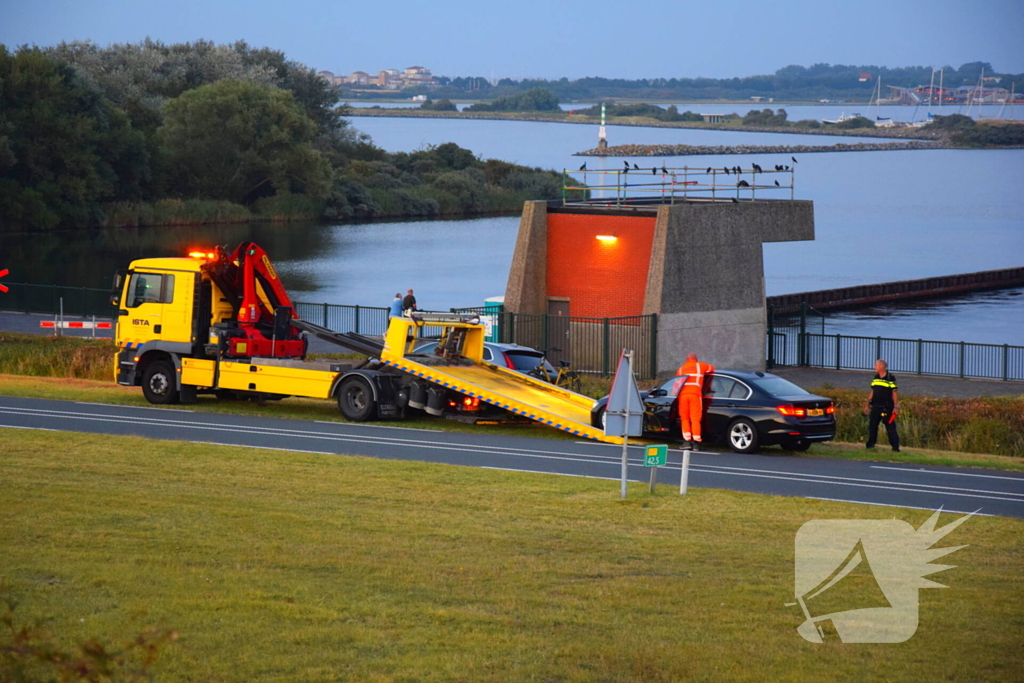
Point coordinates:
[(160, 383), (355, 400)]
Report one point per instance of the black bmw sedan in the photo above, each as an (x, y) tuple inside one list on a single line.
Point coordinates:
[(744, 410)]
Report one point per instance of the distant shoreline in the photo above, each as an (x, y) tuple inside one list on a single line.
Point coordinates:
[(564, 117), (698, 150)]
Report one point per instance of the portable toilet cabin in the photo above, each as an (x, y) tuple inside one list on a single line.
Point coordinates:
[(493, 308)]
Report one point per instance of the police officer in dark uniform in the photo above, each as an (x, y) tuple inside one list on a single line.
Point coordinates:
[(882, 405)]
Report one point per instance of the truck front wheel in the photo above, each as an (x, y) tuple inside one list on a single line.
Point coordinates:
[(355, 400), (160, 384)]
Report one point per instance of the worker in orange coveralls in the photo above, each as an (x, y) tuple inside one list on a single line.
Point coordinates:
[(691, 398)]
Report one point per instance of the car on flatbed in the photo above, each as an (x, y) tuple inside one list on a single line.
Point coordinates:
[(513, 356), (744, 410)]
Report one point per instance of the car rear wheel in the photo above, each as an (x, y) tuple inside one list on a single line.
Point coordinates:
[(743, 436), (599, 419)]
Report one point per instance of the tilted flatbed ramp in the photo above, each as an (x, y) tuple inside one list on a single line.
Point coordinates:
[(515, 392)]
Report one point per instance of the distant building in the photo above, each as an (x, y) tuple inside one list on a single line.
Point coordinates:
[(864, 77), (714, 118), (359, 78), (387, 79), (976, 95)]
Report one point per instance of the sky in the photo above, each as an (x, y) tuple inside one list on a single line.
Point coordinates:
[(550, 38)]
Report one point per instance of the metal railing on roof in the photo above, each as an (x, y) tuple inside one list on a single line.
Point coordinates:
[(658, 185)]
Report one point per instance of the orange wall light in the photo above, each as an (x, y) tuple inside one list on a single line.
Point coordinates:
[(608, 239)]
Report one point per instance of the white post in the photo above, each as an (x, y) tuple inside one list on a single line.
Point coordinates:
[(61, 328), (625, 429), (685, 474)]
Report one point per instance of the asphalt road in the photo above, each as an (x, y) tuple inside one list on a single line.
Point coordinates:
[(954, 489)]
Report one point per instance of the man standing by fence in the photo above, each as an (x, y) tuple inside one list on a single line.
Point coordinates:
[(396, 306), (882, 405), (409, 302), (691, 398)]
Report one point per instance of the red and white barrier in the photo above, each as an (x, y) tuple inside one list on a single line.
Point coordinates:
[(75, 325)]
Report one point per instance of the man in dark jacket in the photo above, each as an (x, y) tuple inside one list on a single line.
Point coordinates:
[(882, 406), (409, 302)]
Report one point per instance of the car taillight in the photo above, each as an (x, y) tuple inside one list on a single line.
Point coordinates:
[(508, 361), (792, 411), (470, 404), (830, 410)]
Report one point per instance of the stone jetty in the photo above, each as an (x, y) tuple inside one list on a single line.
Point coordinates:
[(697, 150)]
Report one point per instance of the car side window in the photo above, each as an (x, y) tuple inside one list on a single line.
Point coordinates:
[(739, 391), (487, 354), (720, 387)]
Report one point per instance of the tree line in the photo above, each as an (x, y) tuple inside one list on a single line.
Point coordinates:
[(790, 83), (151, 133)]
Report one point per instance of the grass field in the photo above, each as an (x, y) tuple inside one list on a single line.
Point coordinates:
[(276, 566), (310, 409)]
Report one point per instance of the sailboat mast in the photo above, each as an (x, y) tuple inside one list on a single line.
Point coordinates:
[(931, 91), (942, 92)]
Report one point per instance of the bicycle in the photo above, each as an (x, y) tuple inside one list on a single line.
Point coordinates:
[(565, 377)]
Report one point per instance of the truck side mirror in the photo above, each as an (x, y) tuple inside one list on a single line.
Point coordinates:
[(115, 291)]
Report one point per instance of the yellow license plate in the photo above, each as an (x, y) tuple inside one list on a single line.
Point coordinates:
[(815, 412)]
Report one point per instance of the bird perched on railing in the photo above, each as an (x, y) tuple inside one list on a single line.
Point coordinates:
[(726, 171), (743, 183), (584, 166)]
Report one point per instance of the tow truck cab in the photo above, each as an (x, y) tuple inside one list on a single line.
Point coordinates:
[(184, 323)]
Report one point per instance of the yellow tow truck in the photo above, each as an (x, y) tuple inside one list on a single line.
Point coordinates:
[(222, 323)]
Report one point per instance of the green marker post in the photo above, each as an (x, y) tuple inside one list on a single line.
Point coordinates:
[(655, 457)]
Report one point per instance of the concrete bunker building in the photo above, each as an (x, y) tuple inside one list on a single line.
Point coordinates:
[(697, 263)]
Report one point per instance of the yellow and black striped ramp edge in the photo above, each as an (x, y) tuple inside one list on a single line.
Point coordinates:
[(514, 392)]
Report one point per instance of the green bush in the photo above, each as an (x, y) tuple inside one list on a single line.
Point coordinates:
[(440, 105), (972, 425), (468, 193), (290, 207), (534, 99), (69, 357)]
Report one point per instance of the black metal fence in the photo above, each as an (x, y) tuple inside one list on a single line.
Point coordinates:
[(367, 320), (796, 336), (787, 326), (915, 356), (77, 301), (592, 345)]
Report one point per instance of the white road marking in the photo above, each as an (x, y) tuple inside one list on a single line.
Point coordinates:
[(957, 474), (37, 429), (893, 505), (724, 469), (360, 424), (116, 405), (540, 454)]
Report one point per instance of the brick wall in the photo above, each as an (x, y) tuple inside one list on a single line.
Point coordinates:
[(601, 279)]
